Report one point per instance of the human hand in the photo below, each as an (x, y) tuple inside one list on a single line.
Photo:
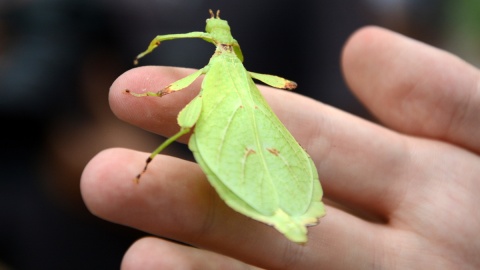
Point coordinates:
[(403, 196)]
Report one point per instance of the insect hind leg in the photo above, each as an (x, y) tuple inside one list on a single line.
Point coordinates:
[(160, 149)]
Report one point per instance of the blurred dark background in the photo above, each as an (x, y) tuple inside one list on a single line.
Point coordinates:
[(59, 58)]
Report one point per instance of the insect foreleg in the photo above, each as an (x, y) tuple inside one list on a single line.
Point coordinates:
[(158, 39)]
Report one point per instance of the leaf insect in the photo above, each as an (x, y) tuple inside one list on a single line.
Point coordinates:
[(249, 157)]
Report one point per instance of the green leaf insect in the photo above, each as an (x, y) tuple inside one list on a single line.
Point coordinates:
[(247, 154)]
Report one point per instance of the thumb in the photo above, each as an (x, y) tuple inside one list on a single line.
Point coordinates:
[(414, 88)]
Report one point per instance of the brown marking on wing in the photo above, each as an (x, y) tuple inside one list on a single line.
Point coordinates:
[(273, 151), (249, 151)]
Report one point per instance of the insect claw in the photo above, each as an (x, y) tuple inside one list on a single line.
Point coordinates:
[(164, 91), (137, 179), (289, 85)]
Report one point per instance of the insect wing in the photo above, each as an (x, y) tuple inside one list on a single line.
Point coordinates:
[(249, 156)]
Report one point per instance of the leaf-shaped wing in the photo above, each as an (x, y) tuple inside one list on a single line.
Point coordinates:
[(251, 159)]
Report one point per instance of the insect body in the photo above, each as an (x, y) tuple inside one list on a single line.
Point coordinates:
[(249, 157)]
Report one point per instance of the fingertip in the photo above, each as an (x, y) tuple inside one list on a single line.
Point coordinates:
[(146, 78), (367, 49), (144, 254), (105, 179), (359, 39), (157, 114), (90, 175), (156, 253), (136, 80)]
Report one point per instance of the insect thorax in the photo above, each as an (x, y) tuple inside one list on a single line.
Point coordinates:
[(226, 47), (219, 30)]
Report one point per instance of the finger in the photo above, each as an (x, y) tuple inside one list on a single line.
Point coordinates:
[(155, 114), (159, 115), (413, 87), (354, 157), (153, 253), (175, 201)]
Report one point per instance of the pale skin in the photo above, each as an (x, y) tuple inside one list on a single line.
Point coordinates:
[(413, 180)]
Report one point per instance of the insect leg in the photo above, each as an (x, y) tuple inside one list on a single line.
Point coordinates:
[(175, 86), (186, 119), (274, 81), (158, 39), (160, 149)]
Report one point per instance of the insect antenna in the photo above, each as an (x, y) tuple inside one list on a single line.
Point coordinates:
[(213, 15)]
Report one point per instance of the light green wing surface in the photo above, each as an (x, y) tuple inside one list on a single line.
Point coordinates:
[(249, 157)]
